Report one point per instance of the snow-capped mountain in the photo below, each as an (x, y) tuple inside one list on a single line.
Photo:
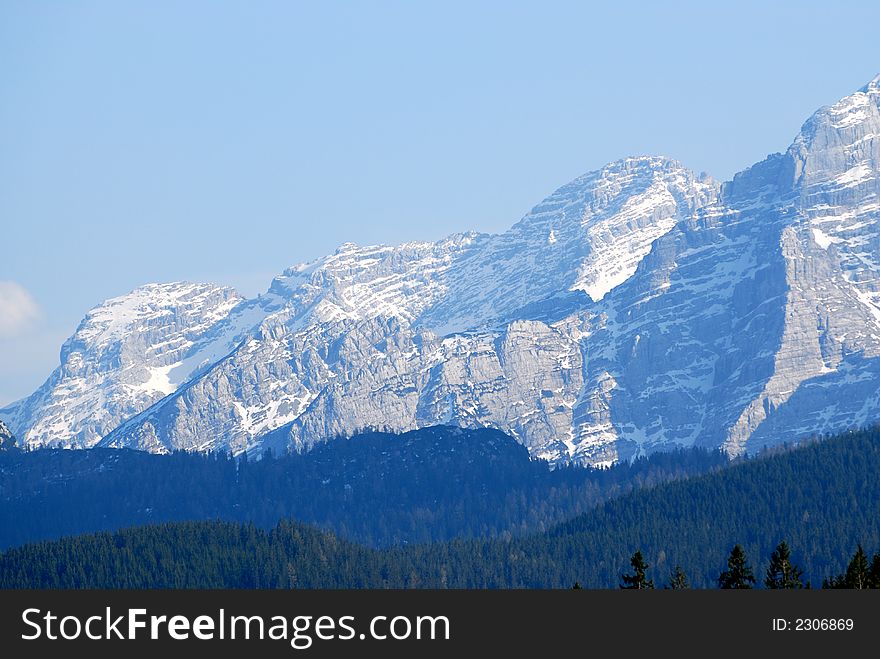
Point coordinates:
[(357, 344), (128, 353), (588, 237), (636, 308)]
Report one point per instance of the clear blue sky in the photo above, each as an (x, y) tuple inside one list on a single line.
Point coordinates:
[(224, 141)]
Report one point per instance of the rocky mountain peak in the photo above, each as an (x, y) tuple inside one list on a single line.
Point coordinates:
[(588, 237), (873, 86), (840, 143), (127, 353), (636, 308)]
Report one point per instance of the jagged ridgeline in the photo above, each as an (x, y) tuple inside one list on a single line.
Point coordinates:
[(638, 308), (376, 488), (821, 499)]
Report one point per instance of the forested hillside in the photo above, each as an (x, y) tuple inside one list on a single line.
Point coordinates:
[(823, 499), (379, 489)]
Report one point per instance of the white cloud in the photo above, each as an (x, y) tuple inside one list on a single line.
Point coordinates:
[(18, 310)]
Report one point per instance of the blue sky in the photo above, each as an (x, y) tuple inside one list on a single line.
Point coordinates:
[(159, 141)]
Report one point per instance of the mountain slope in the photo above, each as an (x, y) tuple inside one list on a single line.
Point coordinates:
[(589, 236), (635, 309), (739, 305)]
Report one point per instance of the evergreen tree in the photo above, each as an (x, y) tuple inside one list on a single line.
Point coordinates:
[(857, 575), (874, 572), (833, 582), (638, 579), (782, 574), (678, 579), (738, 574)]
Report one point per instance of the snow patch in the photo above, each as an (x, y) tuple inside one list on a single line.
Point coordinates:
[(159, 380), (617, 249), (854, 175), (822, 239), (851, 110)]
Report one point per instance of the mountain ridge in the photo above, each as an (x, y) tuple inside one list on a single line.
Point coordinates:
[(637, 308)]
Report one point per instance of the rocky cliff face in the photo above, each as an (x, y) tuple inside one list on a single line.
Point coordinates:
[(422, 334), (638, 307), (7, 441)]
